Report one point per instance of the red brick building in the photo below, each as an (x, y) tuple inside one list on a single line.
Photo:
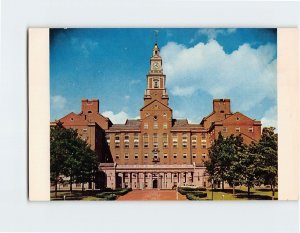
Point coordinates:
[(157, 151)]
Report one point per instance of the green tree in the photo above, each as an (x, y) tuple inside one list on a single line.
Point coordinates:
[(248, 165), (234, 172), (86, 164), (267, 152), (70, 156), (60, 149), (221, 157)]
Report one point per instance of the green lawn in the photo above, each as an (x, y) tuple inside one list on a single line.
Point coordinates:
[(241, 194), (89, 195)]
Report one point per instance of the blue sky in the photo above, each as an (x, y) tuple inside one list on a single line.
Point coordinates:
[(200, 64)]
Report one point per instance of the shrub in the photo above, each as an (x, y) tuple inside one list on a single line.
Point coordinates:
[(186, 190), (103, 195), (123, 191), (107, 196), (111, 197), (196, 195)]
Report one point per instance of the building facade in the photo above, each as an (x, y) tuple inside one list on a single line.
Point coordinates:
[(156, 150)]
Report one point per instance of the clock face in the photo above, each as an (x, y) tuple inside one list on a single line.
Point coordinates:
[(155, 65)]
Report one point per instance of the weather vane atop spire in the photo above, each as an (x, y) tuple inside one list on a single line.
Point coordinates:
[(156, 35)]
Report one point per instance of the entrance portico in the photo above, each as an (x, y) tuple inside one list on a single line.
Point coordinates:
[(152, 176)]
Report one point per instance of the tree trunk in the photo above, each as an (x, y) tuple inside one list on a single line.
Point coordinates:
[(56, 187), (222, 185), (82, 188), (273, 192), (233, 189), (248, 190), (71, 181)]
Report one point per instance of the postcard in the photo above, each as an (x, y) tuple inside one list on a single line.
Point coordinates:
[(163, 114)]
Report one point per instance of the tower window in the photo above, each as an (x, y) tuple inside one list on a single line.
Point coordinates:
[(89, 111), (156, 84)]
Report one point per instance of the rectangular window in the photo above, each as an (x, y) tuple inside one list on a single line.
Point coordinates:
[(126, 140), (126, 137), (165, 140), (203, 156), (175, 156), (165, 125), (194, 156), (126, 144), (237, 129), (84, 130), (184, 140), (224, 129), (175, 144), (155, 125), (117, 140), (145, 125), (175, 140), (165, 156), (184, 156), (155, 140), (250, 129), (194, 141), (126, 156), (145, 156), (203, 135), (203, 143), (146, 140), (136, 156), (117, 157), (136, 140)]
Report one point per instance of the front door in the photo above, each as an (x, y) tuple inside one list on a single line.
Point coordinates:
[(155, 184)]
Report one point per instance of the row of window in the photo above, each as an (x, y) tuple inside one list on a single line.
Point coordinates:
[(155, 140), (165, 156), (238, 129), (155, 125), (146, 144)]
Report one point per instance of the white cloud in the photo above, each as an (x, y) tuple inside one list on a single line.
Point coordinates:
[(247, 75), (58, 102), (213, 33), (118, 118), (270, 117)]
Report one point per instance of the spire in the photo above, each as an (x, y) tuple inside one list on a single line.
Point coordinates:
[(155, 51)]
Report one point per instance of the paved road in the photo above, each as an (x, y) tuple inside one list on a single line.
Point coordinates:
[(152, 194)]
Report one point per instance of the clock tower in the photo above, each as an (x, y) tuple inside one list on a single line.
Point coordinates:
[(156, 80)]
